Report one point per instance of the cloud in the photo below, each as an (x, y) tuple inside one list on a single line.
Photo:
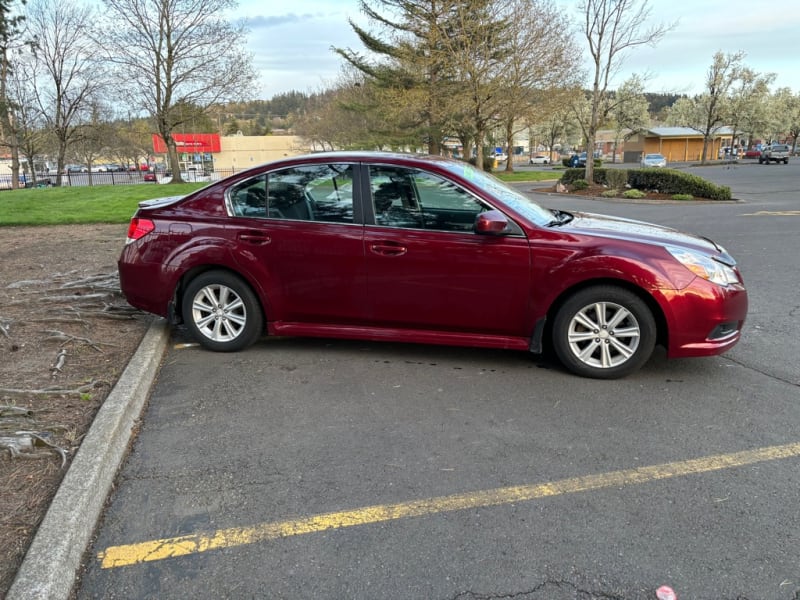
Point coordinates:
[(271, 21)]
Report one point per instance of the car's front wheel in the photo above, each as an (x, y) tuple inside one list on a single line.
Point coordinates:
[(222, 312), (604, 332)]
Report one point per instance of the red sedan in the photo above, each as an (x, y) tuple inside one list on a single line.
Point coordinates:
[(428, 250)]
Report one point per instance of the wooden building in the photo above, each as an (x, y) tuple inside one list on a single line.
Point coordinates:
[(677, 144)]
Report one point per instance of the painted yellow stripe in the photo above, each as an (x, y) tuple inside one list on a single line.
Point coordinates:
[(774, 213), (131, 554)]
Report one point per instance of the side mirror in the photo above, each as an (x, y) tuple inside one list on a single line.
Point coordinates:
[(491, 222)]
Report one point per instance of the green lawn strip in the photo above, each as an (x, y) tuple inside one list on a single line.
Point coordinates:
[(74, 205), (517, 176)]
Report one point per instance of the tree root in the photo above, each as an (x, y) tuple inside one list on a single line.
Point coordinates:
[(84, 389), (22, 444)]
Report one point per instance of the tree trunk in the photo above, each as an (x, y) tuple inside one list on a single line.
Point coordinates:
[(174, 163)]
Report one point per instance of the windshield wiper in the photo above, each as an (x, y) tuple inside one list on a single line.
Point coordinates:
[(561, 218)]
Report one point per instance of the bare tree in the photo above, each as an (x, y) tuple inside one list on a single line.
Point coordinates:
[(782, 116), (62, 71), (612, 28), (630, 111), (31, 134), (11, 42), (171, 53), (747, 95), (707, 113), (478, 44), (537, 68)]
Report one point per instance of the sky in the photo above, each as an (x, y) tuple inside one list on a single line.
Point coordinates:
[(291, 41)]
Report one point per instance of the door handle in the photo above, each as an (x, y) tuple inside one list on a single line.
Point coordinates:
[(257, 239), (388, 249)]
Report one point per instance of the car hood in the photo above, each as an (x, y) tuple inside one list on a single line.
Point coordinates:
[(640, 231)]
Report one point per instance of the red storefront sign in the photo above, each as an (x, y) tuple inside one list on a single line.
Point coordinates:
[(189, 142)]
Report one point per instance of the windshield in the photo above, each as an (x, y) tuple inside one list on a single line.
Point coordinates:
[(508, 195)]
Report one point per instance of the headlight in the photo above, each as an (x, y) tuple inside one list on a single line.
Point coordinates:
[(704, 266)]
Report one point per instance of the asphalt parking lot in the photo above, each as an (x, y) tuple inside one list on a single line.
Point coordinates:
[(331, 469)]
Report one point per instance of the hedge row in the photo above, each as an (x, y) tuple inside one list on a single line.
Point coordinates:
[(665, 181)]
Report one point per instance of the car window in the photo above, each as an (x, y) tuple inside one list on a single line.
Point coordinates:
[(249, 198), (309, 193), (411, 198)]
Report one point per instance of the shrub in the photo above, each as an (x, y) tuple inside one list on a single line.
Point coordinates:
[(682, 197), (634, 193), (580, 184), (488, 163), (610, 193), (571, 174), (616, 178), (668, 181)]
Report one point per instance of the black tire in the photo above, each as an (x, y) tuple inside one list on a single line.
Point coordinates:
[(604, 332), (221, 312)]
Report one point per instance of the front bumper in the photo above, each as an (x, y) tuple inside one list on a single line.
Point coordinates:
[(703, 319)]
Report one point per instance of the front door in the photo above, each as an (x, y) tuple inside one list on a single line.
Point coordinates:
[(428, 270)]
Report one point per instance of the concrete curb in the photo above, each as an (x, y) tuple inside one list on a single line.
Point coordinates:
[(54, 557)]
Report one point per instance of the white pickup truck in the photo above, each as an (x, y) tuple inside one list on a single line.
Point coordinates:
[(774, 153)]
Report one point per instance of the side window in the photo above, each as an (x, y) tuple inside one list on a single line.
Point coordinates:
[(311, 193), (331, 194), (416, 199), (249, 198), (393, 197), (444, 205)]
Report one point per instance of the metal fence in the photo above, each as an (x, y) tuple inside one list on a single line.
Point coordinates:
[(82, 179)]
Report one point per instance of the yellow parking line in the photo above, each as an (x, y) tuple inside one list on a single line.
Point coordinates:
[(131, 554), (774, 213)]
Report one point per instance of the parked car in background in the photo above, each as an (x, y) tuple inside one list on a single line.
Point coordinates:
[(403, 248), (190, 176), (75, 169), (539, 159), (654, 160), (752, 153), (577, 160), (774, 153)]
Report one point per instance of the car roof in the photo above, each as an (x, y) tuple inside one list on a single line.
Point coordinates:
[(407, 159)]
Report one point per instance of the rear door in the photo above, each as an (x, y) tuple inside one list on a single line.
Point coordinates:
[(300, 231)]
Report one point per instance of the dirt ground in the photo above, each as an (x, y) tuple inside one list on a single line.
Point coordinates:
[(66, 334)]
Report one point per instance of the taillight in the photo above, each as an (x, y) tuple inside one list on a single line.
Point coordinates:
[(139, 228)]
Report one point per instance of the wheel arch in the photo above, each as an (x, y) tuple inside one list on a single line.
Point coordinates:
[(662, 331), (175, 310)]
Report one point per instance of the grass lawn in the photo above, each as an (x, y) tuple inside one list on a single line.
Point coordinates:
[(116, 203), (518, 176), (89, 204)]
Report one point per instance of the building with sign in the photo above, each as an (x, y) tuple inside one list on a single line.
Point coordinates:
[(212, 152)]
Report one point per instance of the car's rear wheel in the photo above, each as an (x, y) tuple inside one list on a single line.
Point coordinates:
[(604, 332), (222, 312)]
